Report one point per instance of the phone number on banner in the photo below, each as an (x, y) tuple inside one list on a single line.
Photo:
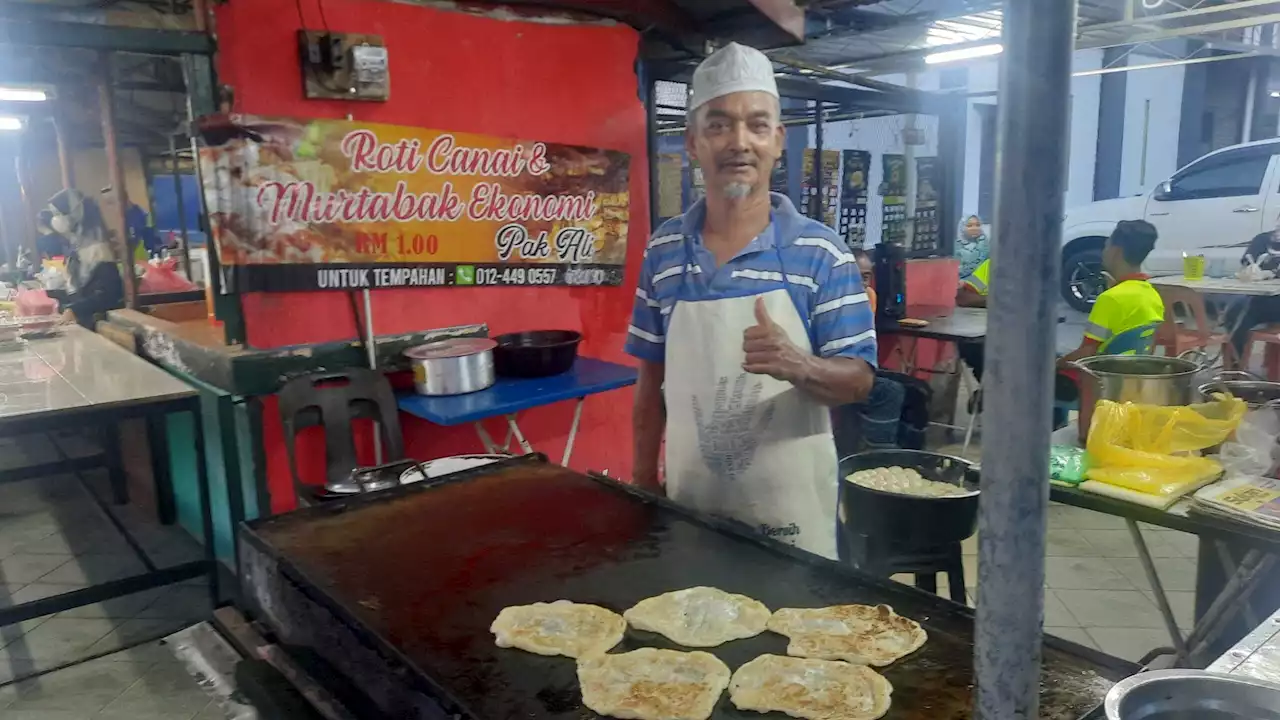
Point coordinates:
[(288, 278)]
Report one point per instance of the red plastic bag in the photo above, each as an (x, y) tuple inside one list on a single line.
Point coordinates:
[(35, 303), (163, 277)]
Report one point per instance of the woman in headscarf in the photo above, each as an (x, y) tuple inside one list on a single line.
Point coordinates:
[(96, 285), (972, 248)]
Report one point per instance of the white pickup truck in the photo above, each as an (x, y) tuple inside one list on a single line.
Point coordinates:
[(1212, 207)]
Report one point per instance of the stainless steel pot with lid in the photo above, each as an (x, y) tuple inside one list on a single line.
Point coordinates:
[(1192, 695), (1146, 379), (452, 367)]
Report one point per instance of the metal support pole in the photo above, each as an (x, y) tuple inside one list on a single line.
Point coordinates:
[(371, 353), (1250, 97), (1018, 387), (650, 99), (909, 160), (201, 13), (181, 207), (22, 170), (815, 209), (64, 153), (106, 106)]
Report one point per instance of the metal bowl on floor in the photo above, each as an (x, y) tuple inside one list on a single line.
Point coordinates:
[(1192, 695), (908, 522)]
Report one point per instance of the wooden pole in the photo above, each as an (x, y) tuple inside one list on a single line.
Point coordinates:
[(106, 107), (22, 170), (64, 153)]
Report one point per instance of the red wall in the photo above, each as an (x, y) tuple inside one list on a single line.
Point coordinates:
[(457, 71)]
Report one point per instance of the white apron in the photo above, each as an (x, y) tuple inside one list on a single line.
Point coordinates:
[(746, 446)]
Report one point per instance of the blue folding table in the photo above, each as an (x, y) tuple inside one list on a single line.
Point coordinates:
[(508, 396)]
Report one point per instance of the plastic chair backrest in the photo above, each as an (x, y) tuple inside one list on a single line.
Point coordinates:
[(332, 401), (1137, 341), (1181, 302)]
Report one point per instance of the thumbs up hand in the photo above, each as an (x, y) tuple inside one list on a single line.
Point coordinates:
[(770, 352)]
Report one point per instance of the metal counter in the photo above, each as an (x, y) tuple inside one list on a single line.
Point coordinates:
[(1255, 656)]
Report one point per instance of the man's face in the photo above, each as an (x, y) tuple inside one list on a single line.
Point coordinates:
[(864, 267), (1113, 259), (737, 138)]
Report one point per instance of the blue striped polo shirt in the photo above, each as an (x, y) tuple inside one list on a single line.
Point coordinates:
[(822, 276)]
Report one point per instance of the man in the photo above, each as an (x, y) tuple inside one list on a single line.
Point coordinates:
[(143, 239), (1264, 251), (750, 321), (1131, 302), (878, 418)]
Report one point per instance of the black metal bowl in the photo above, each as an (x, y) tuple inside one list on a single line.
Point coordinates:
[(909, 522), (535, 353)]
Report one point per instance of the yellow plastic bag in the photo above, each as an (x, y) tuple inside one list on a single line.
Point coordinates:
[(1153, 449)]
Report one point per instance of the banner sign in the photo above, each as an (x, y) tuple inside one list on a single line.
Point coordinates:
[(342, 205)]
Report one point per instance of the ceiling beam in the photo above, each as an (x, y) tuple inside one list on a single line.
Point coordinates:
[(1085, 43), (916, 53), (784, 14), (1158, 18), (1239, 47), (852, 98), (104, 37)]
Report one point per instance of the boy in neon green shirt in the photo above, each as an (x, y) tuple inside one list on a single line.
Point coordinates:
[(1131, 302), (973, 289)]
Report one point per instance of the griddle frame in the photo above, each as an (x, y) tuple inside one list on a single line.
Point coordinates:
[(1107, 666)]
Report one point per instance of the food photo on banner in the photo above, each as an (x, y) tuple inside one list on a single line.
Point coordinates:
[(339, 205)]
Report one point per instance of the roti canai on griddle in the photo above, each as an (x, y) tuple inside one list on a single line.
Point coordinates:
[(700, 616), (653, 684), (810, 689), (558, 628), (860, 634)]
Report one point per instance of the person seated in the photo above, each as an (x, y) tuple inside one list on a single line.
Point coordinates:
[(96, 285), (1264, 251), (972, 293), (1131, 301), (879, 415), (973, 289)]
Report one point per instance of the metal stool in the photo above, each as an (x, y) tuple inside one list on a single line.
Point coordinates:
[(877, 559)]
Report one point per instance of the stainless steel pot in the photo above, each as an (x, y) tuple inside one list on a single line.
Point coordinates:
[(1262, 397), (452, 367), (1192, 695), (1143, 379), (1252, 389)]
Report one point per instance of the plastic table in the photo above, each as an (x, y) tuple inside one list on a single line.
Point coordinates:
[(508, 396)]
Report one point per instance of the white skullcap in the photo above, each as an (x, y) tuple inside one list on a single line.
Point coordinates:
[(733, 68)]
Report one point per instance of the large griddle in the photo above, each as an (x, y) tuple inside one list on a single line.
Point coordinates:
[(394, 593)]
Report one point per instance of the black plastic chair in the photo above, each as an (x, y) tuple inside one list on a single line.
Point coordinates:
[(332, 401)]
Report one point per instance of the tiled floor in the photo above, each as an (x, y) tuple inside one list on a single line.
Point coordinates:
[(144, 683), (1095, 591), (54, 539)]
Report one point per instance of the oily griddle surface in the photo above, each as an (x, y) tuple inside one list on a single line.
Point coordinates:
[(427, 570)]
